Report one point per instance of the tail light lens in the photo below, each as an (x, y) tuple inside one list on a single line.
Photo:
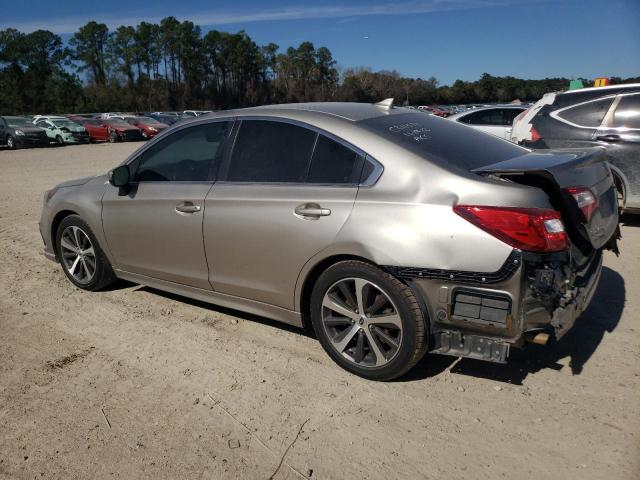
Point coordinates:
[(529, 229), (535, 136), (586, 200)]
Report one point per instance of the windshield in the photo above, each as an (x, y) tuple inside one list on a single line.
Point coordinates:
[(17, 122), (64, 123), (442, 141)]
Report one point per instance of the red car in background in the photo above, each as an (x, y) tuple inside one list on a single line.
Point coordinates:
[(98, 131), (121, 131), (434, 110), (149, 127)]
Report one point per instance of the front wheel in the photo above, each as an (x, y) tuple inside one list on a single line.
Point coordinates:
[(11, 143), (59, 140), (368, 321), (82, 259)]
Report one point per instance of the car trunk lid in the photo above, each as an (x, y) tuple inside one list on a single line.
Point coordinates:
[(567, 177)]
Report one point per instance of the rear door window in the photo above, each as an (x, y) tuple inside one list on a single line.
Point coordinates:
[(588, 114), (627, 113), (187, 155), (333, 163), (271, 152)]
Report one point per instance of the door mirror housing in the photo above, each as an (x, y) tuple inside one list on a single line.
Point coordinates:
[(120, 176)]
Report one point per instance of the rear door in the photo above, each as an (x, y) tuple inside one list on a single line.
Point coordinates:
[(620, 133), (155, 228), (284, 195)]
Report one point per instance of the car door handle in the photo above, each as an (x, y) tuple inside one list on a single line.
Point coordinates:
[(312, 210), (188, 207), (609, 138)]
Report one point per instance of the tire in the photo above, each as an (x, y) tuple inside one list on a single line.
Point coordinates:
[(112, 138), (74, 228), (59, 140), (383, 343), (11, 142)]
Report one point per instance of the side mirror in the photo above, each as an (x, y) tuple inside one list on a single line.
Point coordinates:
[(120, 176)]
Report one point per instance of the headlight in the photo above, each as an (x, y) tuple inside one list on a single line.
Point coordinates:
[(153, 129), (49, 193), (65, 130), (20, 133)]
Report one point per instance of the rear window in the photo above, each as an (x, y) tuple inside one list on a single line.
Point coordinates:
[(442, 141)]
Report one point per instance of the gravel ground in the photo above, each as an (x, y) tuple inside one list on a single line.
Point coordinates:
[(136, 383)]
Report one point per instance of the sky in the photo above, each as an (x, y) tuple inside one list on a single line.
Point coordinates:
[(447, 39)]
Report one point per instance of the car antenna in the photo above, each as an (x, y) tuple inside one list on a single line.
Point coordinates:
[(386, 103)]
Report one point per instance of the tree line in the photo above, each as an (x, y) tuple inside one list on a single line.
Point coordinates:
[(172, 65)]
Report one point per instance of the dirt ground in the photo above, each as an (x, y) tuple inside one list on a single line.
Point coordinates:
[(136, 383)]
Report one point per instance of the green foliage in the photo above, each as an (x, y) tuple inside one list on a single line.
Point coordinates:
[(172, 66)]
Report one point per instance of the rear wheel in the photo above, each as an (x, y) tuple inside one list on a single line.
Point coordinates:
[(368, 321), (82, 259)]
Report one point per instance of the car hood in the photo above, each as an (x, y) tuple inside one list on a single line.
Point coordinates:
[(75, 183)]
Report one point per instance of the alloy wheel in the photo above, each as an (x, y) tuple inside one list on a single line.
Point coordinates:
[(10, 143), (78, 254), (361, 322)]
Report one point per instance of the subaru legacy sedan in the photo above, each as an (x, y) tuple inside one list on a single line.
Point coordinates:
[(389, 232)]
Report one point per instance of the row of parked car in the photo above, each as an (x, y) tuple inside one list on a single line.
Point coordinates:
[(45, 130)]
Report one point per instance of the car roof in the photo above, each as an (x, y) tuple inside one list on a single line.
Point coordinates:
[(608, 89), (351, 111)]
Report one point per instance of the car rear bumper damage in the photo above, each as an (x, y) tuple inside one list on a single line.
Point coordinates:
[(484, 315)]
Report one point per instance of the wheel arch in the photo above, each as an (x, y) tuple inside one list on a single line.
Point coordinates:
[(55, 223), (618, 175), (310, 280)]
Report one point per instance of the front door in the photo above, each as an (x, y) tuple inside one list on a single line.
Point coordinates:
[(285, 195), (155, 229)]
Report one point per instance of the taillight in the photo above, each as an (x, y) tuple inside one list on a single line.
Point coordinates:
[(535, 136), (586, 200), (529, 229)]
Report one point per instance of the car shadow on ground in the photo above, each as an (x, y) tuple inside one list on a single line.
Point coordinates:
[(578, 345)]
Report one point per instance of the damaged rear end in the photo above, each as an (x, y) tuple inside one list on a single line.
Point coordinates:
[(560, 284), (553, 271)]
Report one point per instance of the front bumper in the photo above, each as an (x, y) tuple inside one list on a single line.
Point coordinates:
[(483, 315)]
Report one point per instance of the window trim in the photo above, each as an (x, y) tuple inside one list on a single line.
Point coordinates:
[(556, 113), (362, 156), (166, 133)]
